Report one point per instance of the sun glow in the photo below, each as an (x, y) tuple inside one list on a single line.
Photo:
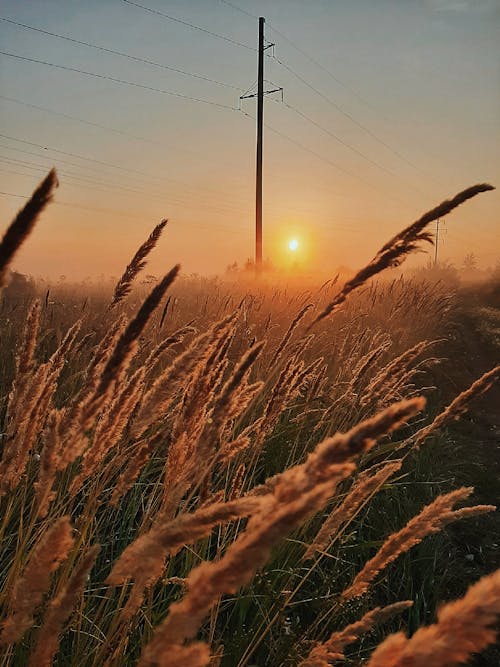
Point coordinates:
[(293, 245)]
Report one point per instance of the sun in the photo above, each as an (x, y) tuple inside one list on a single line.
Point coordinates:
[(293, 245)]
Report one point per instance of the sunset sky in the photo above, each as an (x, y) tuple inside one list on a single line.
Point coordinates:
[(389, 107)]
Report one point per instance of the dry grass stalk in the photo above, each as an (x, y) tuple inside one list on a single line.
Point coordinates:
[(363, 488), (229, 404), (60, 610), (137, 264), (393, 253), (25, 356), (361, 438), (24, 222), (368, 361), (237, 482), (459, 405), (464, 627), (211, 579), (433, 518), (144, 559), (393, 371), (168, 342), (297, 493), (333, 649), (136, 462), (110, 428), (203, 383), (284, 391), (48, 463), (167, 537), (31, 401), (288, 334), (73, 440), (162, 392), (29, 588), (21, 385), (126, 346), (230, 449)]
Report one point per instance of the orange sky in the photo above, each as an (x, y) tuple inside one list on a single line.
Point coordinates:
[(389, 107)]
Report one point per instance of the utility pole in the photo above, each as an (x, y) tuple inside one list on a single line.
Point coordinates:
[(260, 133), (260, 140), (436, 242)]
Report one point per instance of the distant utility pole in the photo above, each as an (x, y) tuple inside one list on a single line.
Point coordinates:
[(436, 243), (260, 141)]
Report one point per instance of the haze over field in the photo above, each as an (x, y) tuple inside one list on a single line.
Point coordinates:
[(410, 90)]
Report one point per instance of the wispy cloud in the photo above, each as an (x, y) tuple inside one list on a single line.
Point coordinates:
[(462, 5)]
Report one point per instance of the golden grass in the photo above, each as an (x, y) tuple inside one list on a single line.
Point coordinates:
[(191, 455)]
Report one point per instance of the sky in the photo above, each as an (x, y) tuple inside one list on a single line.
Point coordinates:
[(388, 107)]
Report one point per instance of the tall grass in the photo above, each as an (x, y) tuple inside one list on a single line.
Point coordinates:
[(179, 483)]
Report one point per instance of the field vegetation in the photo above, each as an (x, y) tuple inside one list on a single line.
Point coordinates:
[(205, 473)]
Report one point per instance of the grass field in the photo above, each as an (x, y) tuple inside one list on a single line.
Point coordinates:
[(199, 472)]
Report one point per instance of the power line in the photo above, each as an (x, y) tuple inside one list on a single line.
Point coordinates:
[(276, 210), (347, 145), (181, 199), (119, 81), (107, 128), (78, 177), (80, 157), (345, 113), (305, 148), (84, 181), (122, 54), (122, 214), (306, 55), (239, 9), (125, 214), (190, 25), (82, 120), (323, 158), (322, 67), (324, 97)]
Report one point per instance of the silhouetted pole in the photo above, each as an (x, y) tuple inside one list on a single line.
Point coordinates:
[(260, 125), (437, 241), (260, 132)]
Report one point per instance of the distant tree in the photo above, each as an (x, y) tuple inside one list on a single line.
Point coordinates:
[(443, 271), (495, 274), (469, 263), (19, 286)]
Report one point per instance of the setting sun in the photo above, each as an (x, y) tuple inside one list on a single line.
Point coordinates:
[(293, 245)]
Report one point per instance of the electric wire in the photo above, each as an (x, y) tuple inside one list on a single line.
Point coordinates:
[(221, 228), (349, 146), (324, 159), (345, 113), (125, 82), (105, 186), (333, 76), (239, 9), (78, 156), (326, 98), (108, 129), (122, 54), (190, 25), (80, 166)]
